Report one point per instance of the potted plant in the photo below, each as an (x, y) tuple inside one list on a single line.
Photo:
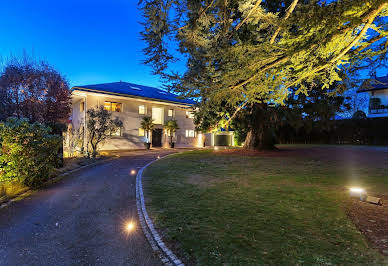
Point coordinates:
[(172, 127), (147, 124)]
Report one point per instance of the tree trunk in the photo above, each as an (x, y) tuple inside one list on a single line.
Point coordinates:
[(260, 135), (261, 139)]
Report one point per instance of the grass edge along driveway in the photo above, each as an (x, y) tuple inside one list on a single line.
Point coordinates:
[(220, 208)]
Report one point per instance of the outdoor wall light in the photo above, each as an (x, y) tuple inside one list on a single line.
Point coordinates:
[(158, 156), (133, 172)]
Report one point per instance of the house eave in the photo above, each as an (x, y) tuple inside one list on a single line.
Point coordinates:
[(130, 96)]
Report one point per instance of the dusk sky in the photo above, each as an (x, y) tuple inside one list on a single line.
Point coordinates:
[(89, 41)]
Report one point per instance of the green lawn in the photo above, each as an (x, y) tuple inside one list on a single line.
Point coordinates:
[(283, 207)]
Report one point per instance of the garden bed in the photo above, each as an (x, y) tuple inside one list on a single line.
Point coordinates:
[(283, 207)]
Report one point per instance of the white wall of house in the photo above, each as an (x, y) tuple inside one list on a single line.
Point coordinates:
[(131, 118)]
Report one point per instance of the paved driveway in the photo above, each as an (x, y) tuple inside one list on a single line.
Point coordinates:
[(80, 220)]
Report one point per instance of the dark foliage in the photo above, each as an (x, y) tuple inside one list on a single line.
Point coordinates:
[(36, 91)]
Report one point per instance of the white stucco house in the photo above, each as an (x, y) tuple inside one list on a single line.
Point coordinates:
[(376, 94), (131, 102)]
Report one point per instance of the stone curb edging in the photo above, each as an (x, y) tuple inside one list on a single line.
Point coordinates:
[(156, 242), (9, 202)]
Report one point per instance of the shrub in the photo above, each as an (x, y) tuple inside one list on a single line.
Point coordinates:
[(100, 125), (28, 152)]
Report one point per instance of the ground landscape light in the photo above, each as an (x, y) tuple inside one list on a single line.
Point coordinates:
[(357, 192), (130, 226)]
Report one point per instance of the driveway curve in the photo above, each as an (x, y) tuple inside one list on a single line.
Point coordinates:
[(80, 220)]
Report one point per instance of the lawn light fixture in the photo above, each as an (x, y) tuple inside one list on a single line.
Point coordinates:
[(361, 193), (133, 172), (216, 148), (129, 227), (158, 156), (358, 193)]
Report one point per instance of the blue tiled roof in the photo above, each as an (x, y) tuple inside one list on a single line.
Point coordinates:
[(380, 83), (134, 90)]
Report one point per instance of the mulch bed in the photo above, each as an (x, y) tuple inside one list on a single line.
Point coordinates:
[(372, 221)]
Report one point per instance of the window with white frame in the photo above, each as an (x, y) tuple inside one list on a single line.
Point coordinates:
[(142, 109), (114, 107), (157, 115), (189, 114), (190, 133), (170, 112)]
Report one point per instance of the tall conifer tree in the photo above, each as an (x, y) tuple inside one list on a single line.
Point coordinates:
[(245, 54)]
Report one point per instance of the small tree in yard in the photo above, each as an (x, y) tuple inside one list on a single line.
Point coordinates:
[(100, 125), (147, 124), (172, 127)]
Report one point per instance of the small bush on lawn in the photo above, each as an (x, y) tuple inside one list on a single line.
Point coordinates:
[(28, 152)]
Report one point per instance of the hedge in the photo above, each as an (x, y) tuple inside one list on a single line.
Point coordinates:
[(28, 152), (368, 131)]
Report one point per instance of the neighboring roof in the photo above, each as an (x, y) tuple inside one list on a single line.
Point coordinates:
[(134, 90), (379, 83)]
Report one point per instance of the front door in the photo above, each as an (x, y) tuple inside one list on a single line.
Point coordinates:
[(157, 137)]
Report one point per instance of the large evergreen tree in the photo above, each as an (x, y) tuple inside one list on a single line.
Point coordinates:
[(245, 54)]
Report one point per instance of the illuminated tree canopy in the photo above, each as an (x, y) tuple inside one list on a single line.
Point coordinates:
[(250, 52)]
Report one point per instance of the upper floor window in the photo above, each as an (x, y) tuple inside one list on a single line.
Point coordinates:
[(114, 107), (157, 115), (189, 114), (82, 106), (142, 109), (170, 112)]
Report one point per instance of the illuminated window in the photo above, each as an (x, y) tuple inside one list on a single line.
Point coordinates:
[(142, 109), (141, 132), (189, 114), (170, 112), (114, 107), (82, 106), (108, 106), (157, 115), (190, 133)]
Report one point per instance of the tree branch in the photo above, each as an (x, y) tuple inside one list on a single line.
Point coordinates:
[(288, 13), (258, 2), (269, 66), (369, 43), (200, 14), (235, 113), (369, 22)]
